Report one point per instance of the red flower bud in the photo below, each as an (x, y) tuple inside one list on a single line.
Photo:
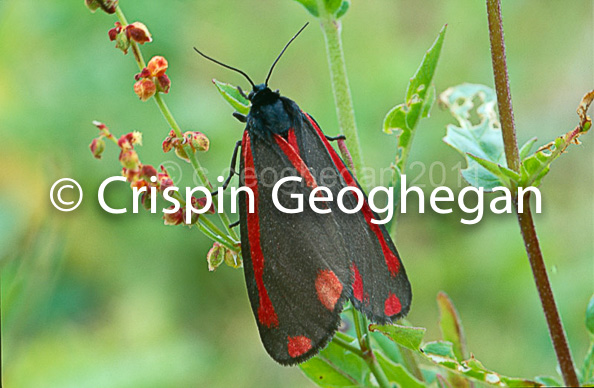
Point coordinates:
[(200, 203), (100, 125), (164, 83), (131, 175), (113, 33), (122, 42), (108, 6), (144, 73), (128, 141), (197, 140), (174, 218), (130, 160), (97, 147), (145, 89), (148, 171), (164, 179), (157, 66), (169, 142), (138, 33), (139, 184), (215, 256)]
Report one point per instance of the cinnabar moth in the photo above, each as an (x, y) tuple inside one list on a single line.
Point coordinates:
[(300, 268)]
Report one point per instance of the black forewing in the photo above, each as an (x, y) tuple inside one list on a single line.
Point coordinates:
[(374, 284), (295, 249)]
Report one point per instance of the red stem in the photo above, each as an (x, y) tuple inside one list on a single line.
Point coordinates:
[(525, 220)]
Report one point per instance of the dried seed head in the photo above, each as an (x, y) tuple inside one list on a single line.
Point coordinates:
[(138, 33), (145, 89), (157, 66)]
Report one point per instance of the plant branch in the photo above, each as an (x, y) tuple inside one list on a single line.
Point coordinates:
[(177, 129), (351, 348), (525, 220), (506, 112), (331, 27)]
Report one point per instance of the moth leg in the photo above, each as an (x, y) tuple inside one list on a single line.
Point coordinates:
[(240, 90), (241, 117), (233, 225), (231, 168), (334, 138)]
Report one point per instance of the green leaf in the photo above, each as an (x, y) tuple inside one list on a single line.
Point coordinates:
[(481, 140), (324, 374), (332, 6), (420, 83), (548, 381), (535, 167), (437, 352), (344, 7), (525, 149), (231, 94), (396, 373), (420, 95), (395, 120), (440, 348), (429, 101), (336, 367), (387, 346), (311, 6), (451, 326), (407, 336), (503, 174), (588, 367), (590, 316)]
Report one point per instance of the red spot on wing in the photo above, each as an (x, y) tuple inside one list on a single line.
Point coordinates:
[(298, 345), (357, 284), (391, 260), (392, 305), (293, 156), (328, 288), (266, 314)]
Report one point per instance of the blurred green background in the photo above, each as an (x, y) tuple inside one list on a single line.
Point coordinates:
[(97, 300)]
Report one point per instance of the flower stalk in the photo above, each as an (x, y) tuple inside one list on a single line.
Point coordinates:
[(351, 152), (176, 128), (331, 27)]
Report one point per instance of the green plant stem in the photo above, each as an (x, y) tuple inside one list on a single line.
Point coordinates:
[(525, 219), (331, 28), (176, 128), (208, 223), (340, 85), (347, 346), (366, 351)]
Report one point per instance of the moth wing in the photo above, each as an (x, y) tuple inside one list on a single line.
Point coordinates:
[(296, 267), (381, 289)]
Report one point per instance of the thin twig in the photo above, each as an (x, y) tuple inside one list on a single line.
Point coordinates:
[(525, 220)]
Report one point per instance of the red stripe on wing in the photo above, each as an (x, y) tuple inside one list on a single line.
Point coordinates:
[(292, 153), (293, 140), (391, 259), (266, 314)]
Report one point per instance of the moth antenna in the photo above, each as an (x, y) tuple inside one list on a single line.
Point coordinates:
[(227, 66), (282, 52)]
